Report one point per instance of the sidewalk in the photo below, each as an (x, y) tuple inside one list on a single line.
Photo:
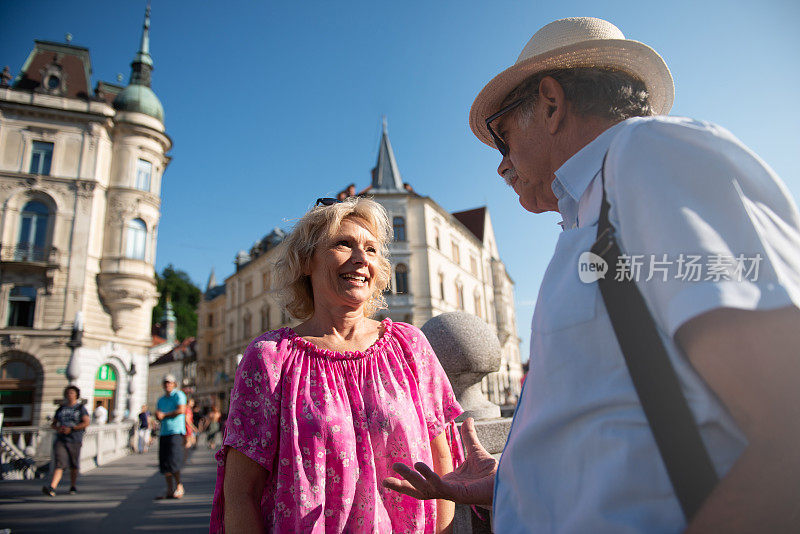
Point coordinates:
[(115, 498)]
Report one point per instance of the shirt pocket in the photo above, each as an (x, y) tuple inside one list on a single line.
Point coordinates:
[(564, 300)]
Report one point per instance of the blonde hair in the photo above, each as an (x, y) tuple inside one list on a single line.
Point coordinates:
[(293, 286)]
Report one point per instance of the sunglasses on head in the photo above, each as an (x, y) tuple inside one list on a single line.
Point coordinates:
[(498, 142), (327, 202)]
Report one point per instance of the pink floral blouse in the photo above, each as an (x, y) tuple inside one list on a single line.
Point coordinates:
[(327, 426)]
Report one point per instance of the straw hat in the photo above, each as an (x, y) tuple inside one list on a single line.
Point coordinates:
[(570, 43)]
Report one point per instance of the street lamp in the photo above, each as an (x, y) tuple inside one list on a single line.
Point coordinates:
[(74, 343)]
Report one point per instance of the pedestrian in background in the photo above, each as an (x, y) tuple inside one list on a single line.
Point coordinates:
[(69, 422), (213, 427), (143, 432), (190, 438), (100, 414), (170, 411)]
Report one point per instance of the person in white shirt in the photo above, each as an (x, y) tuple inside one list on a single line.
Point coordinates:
[(100, 415), (581, 112)]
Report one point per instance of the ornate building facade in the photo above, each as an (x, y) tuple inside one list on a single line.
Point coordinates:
[(80, 182), (441, 262)]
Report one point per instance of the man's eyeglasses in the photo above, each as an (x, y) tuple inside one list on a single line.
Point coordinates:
[(499, 143), (326, 202)]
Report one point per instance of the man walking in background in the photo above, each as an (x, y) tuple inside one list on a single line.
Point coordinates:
[(170, 411), (69, 422)]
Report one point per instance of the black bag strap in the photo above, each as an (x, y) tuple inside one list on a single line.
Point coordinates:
[(672, 423)]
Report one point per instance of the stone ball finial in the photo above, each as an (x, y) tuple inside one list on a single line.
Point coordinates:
[(468, 350)]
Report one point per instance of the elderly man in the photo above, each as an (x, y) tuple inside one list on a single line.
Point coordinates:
[(170, 411), (579, 122)]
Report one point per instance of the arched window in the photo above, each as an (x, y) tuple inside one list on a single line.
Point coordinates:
[(32, 242), (459, 295), (436, 240), (399, 228), (441, 286), (401, 279), (478, 307), (18, 392), (135, 239)]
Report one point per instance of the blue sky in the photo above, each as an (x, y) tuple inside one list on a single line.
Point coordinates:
[(273, 104)]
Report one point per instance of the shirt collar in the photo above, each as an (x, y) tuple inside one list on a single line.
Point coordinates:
[(575, 175)]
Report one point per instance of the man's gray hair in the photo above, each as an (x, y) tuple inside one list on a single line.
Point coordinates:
[(601, 92)]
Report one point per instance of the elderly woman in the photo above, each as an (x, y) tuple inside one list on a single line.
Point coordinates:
[(319, 413)]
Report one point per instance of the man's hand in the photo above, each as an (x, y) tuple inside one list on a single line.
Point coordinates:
[(64, 430), (159, 415), (471, 483)]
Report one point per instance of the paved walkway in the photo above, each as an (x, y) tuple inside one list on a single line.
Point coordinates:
[(115, 498)]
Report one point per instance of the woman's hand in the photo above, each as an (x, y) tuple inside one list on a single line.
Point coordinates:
[(471, 483), (242, 490)]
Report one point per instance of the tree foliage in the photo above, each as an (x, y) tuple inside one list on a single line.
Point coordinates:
[(185, 299)]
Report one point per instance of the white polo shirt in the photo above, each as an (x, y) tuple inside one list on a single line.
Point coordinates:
[(707, 225)]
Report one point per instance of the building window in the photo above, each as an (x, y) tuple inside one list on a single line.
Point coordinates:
[(478, 307), (248, 290), (144, 169), (18, 394), (399, 227), (247, 324), (265, 280), (136, 239), (441, 286), (265, 319), (459, 296), (32, 243), (456, 253), (401, 279), (436, 242), (210, 320), (21, 305), (41, 157), (230, 332), (473, 265), (209, 349)]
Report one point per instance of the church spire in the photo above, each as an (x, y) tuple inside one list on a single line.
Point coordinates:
[(142, 64), (386, 175), (212, 281)]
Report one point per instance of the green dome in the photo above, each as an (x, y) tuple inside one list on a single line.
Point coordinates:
[(141, 99)]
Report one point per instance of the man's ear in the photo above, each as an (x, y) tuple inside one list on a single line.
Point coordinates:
[(553, 103)]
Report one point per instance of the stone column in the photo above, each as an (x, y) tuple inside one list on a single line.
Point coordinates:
[(468, 350)]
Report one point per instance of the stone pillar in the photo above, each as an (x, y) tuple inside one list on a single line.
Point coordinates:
[(468, 350)]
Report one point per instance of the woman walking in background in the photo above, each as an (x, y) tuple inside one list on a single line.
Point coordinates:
[(213, 427), (143, 431), (320, 412)]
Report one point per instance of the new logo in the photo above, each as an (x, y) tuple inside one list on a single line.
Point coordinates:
[(591, 267)]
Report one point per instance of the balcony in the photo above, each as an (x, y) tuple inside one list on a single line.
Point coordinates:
[(27, 253), (26, 259)]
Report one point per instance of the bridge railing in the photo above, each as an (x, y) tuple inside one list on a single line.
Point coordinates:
[(24, 450)]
